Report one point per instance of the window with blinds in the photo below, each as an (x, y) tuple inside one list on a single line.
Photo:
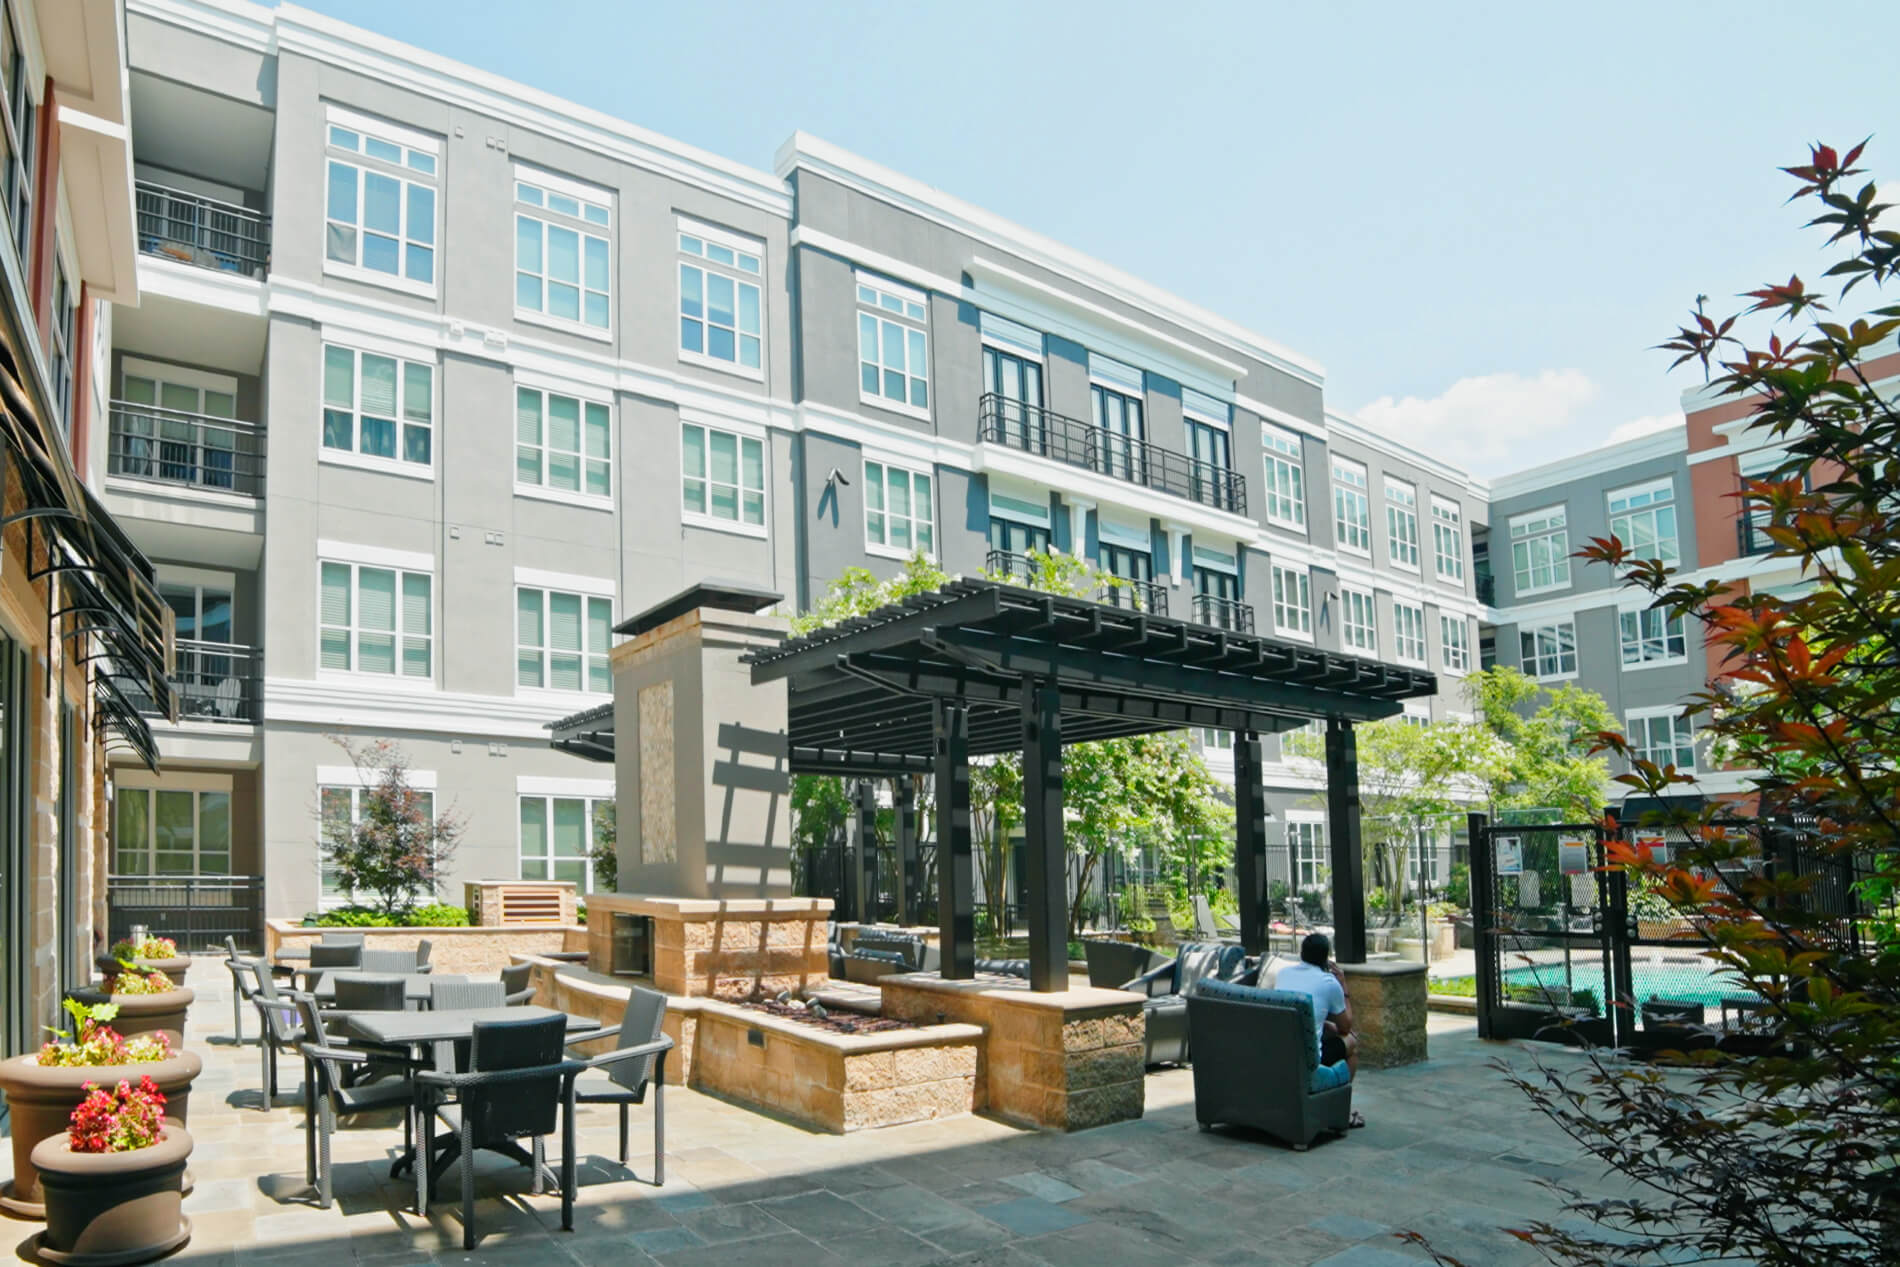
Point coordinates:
[(376, 620), (378, 406), (561, 641), (722, 476), (557, 837), (563, 444)]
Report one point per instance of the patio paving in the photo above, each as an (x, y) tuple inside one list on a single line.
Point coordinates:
[(1450, 1151)]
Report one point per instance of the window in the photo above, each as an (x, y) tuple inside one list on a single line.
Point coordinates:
[(563, 250), (1210, 445), (1117, 415), (1455, 635), (376, 620), (1286, 478), (1665, 738), (60, 358), (171, 831), (719, 300), (379, 205), (344, 804), (1307, 841), (1213, 740), (1292, 602), (19, 115), (1422, 860), (1012, 386), (378, 406), (893, 364), (898, 510), (1358, 624), (1401, 523), (1644, 519), (561, 641), (1012, 536), (723, 475), (1540, 550), (1408, 632), (1352, 512), (1448, 541), (1652, 637), (1548, 651), (557, 837), (562, 443)]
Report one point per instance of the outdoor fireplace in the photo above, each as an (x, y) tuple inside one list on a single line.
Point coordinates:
[(632, 945)]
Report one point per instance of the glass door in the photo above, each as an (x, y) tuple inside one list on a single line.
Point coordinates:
[(1118, 423), (1017, 538), (202, 614), (1212, 451), (1131, 565), (1018, 385), (188, 452)]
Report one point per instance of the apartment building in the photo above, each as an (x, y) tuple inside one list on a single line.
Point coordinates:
[(435, 378)]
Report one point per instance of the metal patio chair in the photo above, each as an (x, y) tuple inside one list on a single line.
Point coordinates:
[(637, 1063), (515, 984), (331, 1090), (279, 1028), (244, 974)]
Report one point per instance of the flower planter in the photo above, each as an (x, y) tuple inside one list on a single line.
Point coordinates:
[(105, 1209), (41, 1099), (174, 967), (152, 1013)]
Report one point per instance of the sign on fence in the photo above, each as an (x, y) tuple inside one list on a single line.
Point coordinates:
[(1510, 855)]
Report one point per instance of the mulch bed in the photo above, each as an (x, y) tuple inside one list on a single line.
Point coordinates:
[(836, 1022)]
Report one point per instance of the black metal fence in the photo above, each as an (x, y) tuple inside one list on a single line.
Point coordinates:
[(1223, 613), (1075, 442), (197, 912)]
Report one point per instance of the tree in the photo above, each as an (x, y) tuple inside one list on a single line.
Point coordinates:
[(395, 846), (605, 852), (1787, 1157), (996, 810), (1546, 756)]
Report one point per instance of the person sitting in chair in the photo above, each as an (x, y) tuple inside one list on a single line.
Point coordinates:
[(1318, 977)]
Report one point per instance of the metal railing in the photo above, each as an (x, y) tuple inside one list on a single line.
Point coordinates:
[(1141, 596), (1014, 567), (1223, 613), (1073, 442), (197, 912), (1751, 538), (170, 446), (193, 229), (214, 681)]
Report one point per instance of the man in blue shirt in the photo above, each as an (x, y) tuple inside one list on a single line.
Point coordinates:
[(1318, 977)]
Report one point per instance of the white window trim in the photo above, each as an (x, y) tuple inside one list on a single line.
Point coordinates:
[(552, 694), (1457, 528), (1391, 539), (529, 316), (398, 352), (397, 682), (352, 777), (1006, 339), (1445, 621), (1510, 540), (1644, 486), (1111, 374), (733, 527), (548, 385), (593, 586), (1268, 455), (544, 179), (1424, 641), (1217, 413), (551, 785), (738, 242), (877, 281), (1372, 605), (1273, 604), (528, 173), (1533, 627), (375, 556), (880, 550), (1667, 662), (382, 466), (369, 125), (1674, 713), (1364, 490), (591, 801), (180, 375)]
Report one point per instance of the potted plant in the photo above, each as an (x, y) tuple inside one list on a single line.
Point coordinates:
[(113, 1180), (153, 954), (43, 1087), (148, 1002)]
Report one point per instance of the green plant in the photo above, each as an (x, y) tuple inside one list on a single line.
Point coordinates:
[(1458, 885), (119, 1120), (433, 915), (1276, 895), (150, 948), (605, 854), (396, 846), (93, 1042), (131, 979)]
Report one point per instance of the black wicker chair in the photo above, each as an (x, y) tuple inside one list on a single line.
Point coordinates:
[(333, 1087), (363, 993), (1114, 965), (328, 957), (517, 1086), (639, 1061), (515, 987)]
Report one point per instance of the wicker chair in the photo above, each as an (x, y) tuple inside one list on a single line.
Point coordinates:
[(339, 937), (516, 1087), (403, 961), (446, 995), (1256, 1061), (639, 1061), (325, 957), (359, 993), (333, 1087), (279, 1028), (244, 975), (423, 947), (515, 984)]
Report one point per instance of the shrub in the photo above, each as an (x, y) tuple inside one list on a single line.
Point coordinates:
[(433, 915), (1458, 886), (96, 1044), (118, 1121), (150, 948), (130, 980)]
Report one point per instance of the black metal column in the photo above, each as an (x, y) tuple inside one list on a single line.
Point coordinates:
[(909, 886), (862, 864), (1484, 937), (956, 887), (1250, 841), (1342, 834), (1620, 1005), (1048, 896)]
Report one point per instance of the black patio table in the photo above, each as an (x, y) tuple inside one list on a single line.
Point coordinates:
[(415, 986)]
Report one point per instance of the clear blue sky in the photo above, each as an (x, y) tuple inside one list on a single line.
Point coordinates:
[(1476, 220)]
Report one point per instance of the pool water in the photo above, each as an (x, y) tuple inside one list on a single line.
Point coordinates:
[(1696, 981)]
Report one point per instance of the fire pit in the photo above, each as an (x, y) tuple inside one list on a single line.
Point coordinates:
[(831, 1022)]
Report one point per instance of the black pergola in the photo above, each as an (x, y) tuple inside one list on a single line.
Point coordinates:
[(979, 668)]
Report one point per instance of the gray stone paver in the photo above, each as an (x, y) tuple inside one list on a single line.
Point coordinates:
[(1451, 1151)]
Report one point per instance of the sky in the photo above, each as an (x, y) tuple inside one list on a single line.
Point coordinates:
[(1479, 219)]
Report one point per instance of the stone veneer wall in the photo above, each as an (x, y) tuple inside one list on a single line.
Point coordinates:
[(1067, 1060), (734, 949), (1388, 1011), (472, 951)]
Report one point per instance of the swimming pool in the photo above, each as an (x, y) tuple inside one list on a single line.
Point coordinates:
[(1678, 976)]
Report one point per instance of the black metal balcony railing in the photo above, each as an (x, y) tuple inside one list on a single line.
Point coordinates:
[(194, 229), (170, 446), (1751, 538), (1011, 567), (1141, 596), (1223, 613), (1072, 441), (215, 682)]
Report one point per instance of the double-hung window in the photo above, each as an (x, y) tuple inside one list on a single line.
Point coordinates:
[(722, 476), (721, 318), (898, 514), (1644, 519), (1540, 550), (1286, 477), (562, 639), (380, 202), (60, 354), (378, 620), (1352, 511), (1307, 840), (173, 830), (563, 249), (1293, 601), (1548, 650), (1359, 623), (562, 443), (1448, 541), (1663, 736), (557, 837), (378, 406), (893, 359), (1401, 523), (1652, 637), (1454, 635), (1408, 632)]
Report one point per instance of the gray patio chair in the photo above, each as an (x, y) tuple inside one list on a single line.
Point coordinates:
[(388, 961), (339, 937), (370, 994), (1255, 1064), (332, 1088), (1168, 987), (278, 1028), (514, 984), (1113, 965), (244, 974), (637, 1062), (330, 958), (423, 947), (517, 1086), (446, 995)]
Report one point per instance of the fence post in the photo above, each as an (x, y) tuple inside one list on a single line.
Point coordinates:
[(1483, 917), (1617, 928)]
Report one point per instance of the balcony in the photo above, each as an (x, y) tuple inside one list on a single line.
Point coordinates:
[(1223, 613), (215, 682), (1751, 538), (1073, 442), (169, 446), (1018, 569), (1141, 596), (177, 225)]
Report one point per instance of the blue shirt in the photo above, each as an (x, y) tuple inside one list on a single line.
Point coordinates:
[(1322, 986)]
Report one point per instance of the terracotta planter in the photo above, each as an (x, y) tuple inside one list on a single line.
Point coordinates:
[(104, 1209), (153, 1013), (42, 1099), (175, 967)]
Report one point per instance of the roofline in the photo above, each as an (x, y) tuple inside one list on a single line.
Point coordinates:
[(1601, 461), (1357, 431)]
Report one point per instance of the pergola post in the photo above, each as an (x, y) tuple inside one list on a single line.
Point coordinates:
[(862, 864), (956, 890), (1342, 835), (1048, 897), (1250, 841), (909, 877)]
